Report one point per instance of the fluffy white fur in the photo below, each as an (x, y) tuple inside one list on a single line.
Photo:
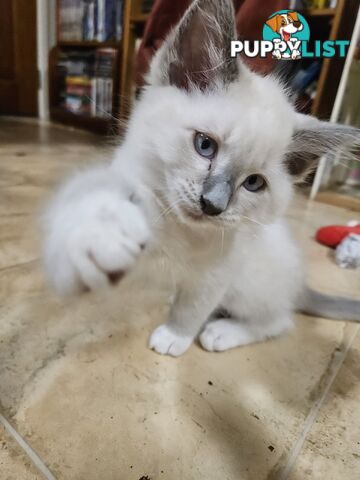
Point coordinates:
[(143, 212)]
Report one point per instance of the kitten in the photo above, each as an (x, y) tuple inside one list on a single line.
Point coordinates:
[(198, 191)]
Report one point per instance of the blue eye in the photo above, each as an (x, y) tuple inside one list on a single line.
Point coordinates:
[(205, 145), (254, 183)]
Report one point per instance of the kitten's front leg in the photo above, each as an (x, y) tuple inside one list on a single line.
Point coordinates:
[(94, 232), (192, 307)]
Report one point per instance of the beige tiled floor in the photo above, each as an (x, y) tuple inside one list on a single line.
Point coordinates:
[(333, 445), (14, 463), (81, 388)]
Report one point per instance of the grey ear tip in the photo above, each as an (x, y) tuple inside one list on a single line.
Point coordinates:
[(315, 139), (196, 53)]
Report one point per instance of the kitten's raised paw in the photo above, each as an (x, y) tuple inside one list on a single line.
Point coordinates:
[(222, 335), (166, 342), (97, 244)]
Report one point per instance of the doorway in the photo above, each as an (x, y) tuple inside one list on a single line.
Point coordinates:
[(18, 65)]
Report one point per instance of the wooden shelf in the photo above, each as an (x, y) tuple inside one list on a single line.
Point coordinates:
[(95, 124), (88, 44), (140, 18), (319, 12), (341, 27), (339, 200)]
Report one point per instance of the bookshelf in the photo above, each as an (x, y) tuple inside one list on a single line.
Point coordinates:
[(132, 23), (330, 23), (337, 181), (321, 12), (88, 44)]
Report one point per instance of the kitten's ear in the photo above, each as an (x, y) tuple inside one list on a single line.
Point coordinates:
[(313, 139), (197, 53)]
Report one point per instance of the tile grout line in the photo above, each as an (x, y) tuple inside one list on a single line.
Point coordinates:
[(311, 417), (34, 457)]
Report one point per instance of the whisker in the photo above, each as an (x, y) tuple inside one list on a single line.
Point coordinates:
[(222, 240), (253, 221), (167, 210)]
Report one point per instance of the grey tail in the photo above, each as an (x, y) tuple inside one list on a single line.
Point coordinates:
[(328, 306)]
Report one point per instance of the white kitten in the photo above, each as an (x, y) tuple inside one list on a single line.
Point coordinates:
[(199, 186)]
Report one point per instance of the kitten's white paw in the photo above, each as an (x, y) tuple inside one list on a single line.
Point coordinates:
[(96, 244), (166, 342), (224, 334)]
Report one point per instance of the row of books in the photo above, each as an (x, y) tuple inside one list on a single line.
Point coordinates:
[(304, 82), (99, 20), (304, 4), (87, 81)]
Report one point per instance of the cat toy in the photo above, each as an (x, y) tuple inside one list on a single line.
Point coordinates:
[(346, 240)]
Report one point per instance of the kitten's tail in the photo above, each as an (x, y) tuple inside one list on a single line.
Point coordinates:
[(328, 306)]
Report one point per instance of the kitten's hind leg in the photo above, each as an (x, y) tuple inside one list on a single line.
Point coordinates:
[(226, 333)]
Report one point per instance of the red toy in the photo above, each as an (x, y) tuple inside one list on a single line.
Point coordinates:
[(335, 234)]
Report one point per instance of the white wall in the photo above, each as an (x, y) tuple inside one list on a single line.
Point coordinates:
[(46, 39)]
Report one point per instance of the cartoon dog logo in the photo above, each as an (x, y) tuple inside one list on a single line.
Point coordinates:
[(286, 25)]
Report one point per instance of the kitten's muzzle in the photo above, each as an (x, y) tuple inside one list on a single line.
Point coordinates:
[(216, 197)]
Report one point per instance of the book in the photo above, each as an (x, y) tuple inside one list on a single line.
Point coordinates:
[(306, 76), (104, 67), (118, 15), (100, 27), (86, 79), (109, 20), (70, 19), (90, 20)]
